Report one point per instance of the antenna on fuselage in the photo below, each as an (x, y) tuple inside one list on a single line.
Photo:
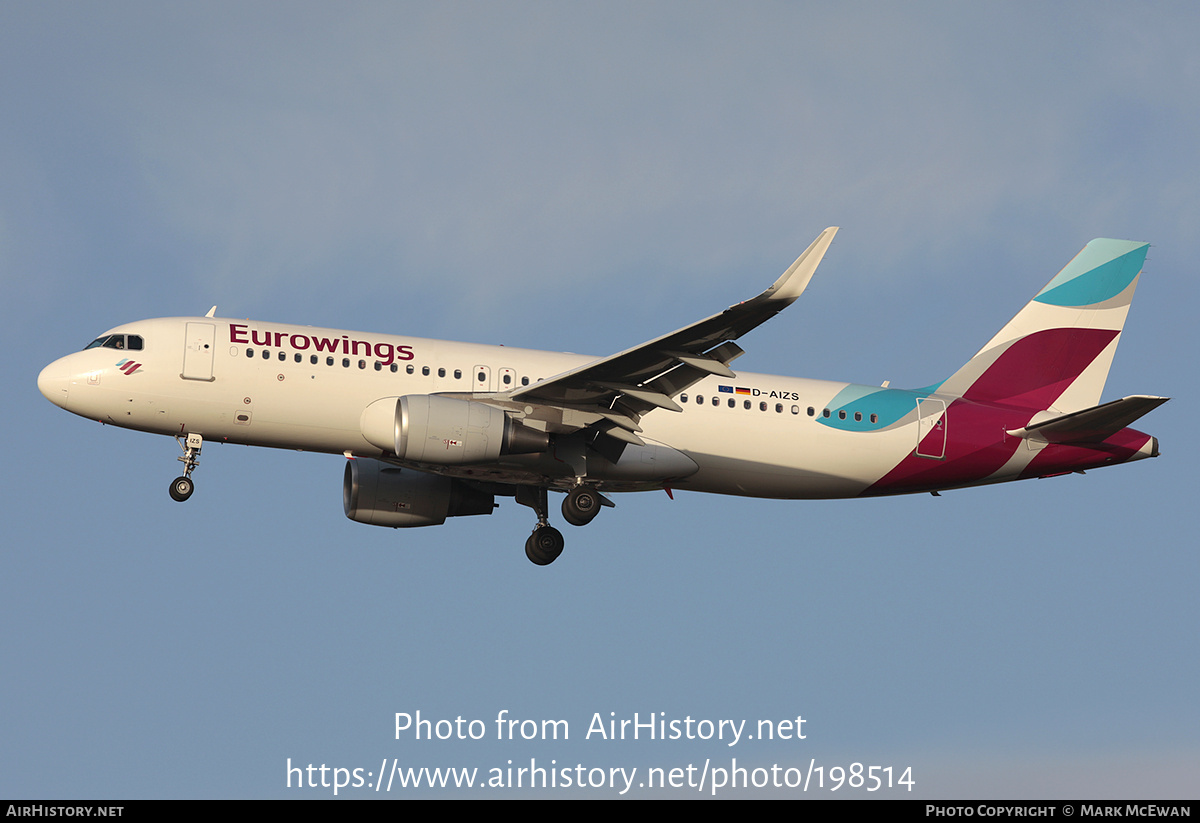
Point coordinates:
[(212, 312)]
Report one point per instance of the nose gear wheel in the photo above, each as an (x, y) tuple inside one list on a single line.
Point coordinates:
[(182, 487)]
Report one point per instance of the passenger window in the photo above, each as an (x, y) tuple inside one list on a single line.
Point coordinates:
[(732, 403), (283, 357), (362, 364), (762, 406), (524, 381), (795, 409), (507, 379), (425, 371), (249, 352), (746, 404), (441, 372), (409, 369), (378, 366), (824, 412), (266, 355), (312, 358), (345, 362), (394, 368), (716, 401), (683, 398), (874, 418), (811, 411), (842, 414), (858, 417), (299, 357), (699, 399), (779, 408), (328, 361)]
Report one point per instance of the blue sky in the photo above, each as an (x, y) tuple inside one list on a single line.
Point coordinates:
[(584, 177)]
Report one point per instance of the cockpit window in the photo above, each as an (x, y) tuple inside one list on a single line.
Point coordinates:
[(133, 342)]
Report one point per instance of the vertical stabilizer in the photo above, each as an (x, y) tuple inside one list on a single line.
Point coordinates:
[(1055, 354)]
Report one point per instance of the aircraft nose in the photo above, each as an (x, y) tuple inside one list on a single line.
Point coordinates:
[(54, 382)]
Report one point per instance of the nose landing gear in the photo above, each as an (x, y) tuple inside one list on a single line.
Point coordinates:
[(182, 487)]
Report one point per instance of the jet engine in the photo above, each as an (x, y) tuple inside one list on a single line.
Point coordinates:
[(381, 495), (428, 428)]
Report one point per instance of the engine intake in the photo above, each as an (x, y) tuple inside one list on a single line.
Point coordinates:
[(428, 428)]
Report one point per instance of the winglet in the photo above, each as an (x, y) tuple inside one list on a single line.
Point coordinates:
[(650, 375), (792, 283)]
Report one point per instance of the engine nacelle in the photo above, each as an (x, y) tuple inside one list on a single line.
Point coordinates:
[(381, 495), (427, 428)]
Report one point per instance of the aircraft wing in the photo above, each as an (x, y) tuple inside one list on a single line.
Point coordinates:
[(614, 392)]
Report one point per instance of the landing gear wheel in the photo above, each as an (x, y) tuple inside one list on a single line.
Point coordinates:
[(581, 506), (544, 546), (182, 488)]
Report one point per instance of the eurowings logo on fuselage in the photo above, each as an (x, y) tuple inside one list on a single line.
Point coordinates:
[(129, 366), (387, 353)]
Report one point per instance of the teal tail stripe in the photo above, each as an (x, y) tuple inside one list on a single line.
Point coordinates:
[(1100, 272), (888, 405)]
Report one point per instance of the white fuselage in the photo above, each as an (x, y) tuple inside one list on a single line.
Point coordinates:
[(257, 384), (443, 428), (298, 387)]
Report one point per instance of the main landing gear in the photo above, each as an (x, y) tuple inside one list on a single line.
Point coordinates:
[(580, 507), (182, 487), (546, 543)]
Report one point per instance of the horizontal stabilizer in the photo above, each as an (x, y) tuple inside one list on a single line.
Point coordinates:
[(1092, 425)]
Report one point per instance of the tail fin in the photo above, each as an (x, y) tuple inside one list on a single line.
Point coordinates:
[(1055, 354)]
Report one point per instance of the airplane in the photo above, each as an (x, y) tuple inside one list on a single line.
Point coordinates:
[(437, 429)]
